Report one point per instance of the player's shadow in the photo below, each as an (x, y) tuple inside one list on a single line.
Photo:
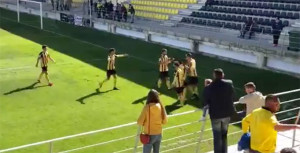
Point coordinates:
[(172, 107), (140, 100), (30, 87), (97, 92)]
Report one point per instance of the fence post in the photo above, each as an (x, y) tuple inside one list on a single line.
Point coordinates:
[(137, 139), (294, 132), (203, 120), (50, 147)]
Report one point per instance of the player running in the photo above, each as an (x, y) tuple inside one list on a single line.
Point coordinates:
[(178, 82), (43, 58), (111, 69), (192, 77), (164, 62)]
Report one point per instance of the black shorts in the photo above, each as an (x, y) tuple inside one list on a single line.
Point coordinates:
[(44, 69), (164, 75), (191, 80), (179, 90), (110, 72)]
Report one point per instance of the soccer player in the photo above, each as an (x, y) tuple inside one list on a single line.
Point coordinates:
[(111, 69), (43, 58), (192, 77), (178, 82), (164, 62)]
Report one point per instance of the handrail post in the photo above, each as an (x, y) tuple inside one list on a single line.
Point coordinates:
[(294, 132), (51, 147), (137, 139), (203, 120)]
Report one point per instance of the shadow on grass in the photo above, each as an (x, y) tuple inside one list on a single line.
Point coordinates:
[(97, 92), (140, 100), (30, 87)]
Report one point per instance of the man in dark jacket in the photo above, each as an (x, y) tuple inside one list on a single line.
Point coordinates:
[(132, 12), (277, 27), (219, 97)]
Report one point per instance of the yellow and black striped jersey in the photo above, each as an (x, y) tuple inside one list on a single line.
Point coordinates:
[(178, 78), (44, 58), (164, 62), (192, 68), (111, 62)]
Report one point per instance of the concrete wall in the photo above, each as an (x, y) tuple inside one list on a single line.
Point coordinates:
[(247, 57)]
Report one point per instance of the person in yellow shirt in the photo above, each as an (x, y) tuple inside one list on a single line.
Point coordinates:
[(192, 77), (152, 117), (264, 126), (164, 62), (43, 58), (111, 68), (178, 82)]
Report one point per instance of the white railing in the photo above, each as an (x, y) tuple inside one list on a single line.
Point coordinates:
[(192, 141)]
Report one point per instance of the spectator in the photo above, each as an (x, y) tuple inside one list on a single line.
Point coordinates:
[(247, 27), (124, 12), (264, 126), (219, 98), (61, 4), (288, 150), (152, 118), (132, 12), (253, 100), (277, 27), (110, 10), (52, 3)]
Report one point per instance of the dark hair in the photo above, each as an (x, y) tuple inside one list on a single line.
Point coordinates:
[(44, 46), (176, 63), (288, 150), (189, 54), (111, 50), (250, 85), (271, 98), (153, 97), (218, 73)]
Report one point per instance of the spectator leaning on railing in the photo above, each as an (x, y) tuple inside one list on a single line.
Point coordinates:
[(263, 126), (151, 119), (253, 100), (219, 97), (132, 12)]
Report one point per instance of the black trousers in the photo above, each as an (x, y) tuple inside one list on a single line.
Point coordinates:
[(276, 38)]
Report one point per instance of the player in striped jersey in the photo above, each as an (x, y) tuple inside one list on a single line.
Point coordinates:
[(178, 82), (43, 58), (192, 77), (164, 62), (111, 68)]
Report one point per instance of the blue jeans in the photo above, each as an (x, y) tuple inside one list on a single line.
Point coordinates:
[(154, 142), (220, 129)]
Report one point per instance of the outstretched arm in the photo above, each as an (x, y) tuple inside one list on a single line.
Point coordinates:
[(284, 127), (51, 58), (121, 55)]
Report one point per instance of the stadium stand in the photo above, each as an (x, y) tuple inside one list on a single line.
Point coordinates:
[(233, 14), (159, 9)]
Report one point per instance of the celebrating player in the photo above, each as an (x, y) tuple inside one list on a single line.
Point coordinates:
[(43, 58), (164, 62), (111, 69), (178, 82), (192, 77)]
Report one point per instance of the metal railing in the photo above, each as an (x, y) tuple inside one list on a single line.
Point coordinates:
[(165, 148)]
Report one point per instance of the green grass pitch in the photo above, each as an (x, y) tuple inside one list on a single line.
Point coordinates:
[(34, 112)]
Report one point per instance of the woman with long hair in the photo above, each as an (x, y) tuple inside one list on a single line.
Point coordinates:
[(152, 118)]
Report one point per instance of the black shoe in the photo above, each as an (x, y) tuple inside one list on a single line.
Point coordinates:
[(195, 97), (115, 88)]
